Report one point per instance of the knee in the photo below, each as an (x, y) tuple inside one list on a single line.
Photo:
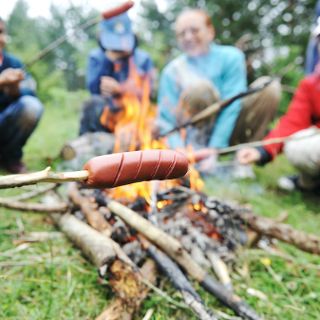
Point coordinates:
[(31, 110)]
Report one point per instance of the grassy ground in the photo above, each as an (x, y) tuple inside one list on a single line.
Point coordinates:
[(52, 280)]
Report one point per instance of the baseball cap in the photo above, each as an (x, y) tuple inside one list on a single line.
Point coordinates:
[(116, 33)]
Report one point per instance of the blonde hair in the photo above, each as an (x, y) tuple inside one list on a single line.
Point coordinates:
[(203, 13)]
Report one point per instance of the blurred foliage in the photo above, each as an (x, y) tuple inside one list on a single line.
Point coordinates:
[(64, 66), (270, 23), (273, 33)]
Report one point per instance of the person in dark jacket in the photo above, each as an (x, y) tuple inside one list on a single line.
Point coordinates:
[(116, 68), (302, 122), (20, 109)]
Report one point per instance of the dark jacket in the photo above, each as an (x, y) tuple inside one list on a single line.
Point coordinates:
[(10, 61)]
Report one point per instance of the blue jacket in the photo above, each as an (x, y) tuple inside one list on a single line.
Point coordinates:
[(224, 67), (99, 65), (312, 53), (10, 61)]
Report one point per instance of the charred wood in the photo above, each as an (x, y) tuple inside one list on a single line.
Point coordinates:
[(89, 209), (174, 249), (284, 232), (180, 282)]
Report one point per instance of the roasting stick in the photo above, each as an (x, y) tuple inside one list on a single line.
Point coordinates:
[(215, 108), (110, 13), (204, 153), (111, 170)]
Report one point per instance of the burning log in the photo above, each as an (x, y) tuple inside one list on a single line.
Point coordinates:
[(266, 226), (175, 250), (88, 145), (180, 281)]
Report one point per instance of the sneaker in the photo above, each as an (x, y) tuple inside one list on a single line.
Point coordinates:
[(14, 166), (289, 183)]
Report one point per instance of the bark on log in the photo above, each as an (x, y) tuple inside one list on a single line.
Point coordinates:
[(92, 243), (89, 209), (174, 249), (130, 289), (34, 207), (125, 282), (284, 232), (180, 281), (88, 145)]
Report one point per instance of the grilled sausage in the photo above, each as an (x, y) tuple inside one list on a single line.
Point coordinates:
[(117, 10), (123, 168)]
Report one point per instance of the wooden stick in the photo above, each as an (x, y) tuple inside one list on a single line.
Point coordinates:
[(215, 108), (89, 209), (284, 232), (56, 43), (179, 280), (265, 142), (33, 193), (34, 207), (174, 249), (46, 175)]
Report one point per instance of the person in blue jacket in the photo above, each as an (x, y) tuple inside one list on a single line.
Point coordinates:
[(312, 53), (20, 109), (115, 68), (204, 73)]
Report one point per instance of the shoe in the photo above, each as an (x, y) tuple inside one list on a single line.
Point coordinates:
[(14, 166), (291, 183)]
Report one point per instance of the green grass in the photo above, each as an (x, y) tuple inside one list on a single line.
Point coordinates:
[(56, 282)]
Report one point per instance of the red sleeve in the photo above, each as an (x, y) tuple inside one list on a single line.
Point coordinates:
[(298, 116)]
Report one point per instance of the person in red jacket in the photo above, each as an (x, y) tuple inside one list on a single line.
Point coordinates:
[(301, 119)]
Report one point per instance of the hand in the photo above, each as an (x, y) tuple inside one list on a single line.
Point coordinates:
[(12, 90), (248, 155), (208, 164), (109, 86), (11, 76)]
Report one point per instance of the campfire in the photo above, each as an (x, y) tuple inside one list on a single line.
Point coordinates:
[(173, 222)]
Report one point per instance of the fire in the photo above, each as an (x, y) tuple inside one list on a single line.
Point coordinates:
[(133, 131), (196, 183)]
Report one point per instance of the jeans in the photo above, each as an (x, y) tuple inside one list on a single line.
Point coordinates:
[(304, 155), (91, 112), (17, 122)]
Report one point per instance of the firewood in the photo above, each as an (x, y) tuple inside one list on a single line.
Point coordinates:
[(34, 207), (180, 281), (89, 209), (88, 145), (284, 232), (220, 269), (129, 288), (174, 249), (125, 281), (92, 243)]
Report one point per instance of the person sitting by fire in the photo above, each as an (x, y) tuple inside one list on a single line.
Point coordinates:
[(301, 123), (117, 70), (20, 109), (204, 73)]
